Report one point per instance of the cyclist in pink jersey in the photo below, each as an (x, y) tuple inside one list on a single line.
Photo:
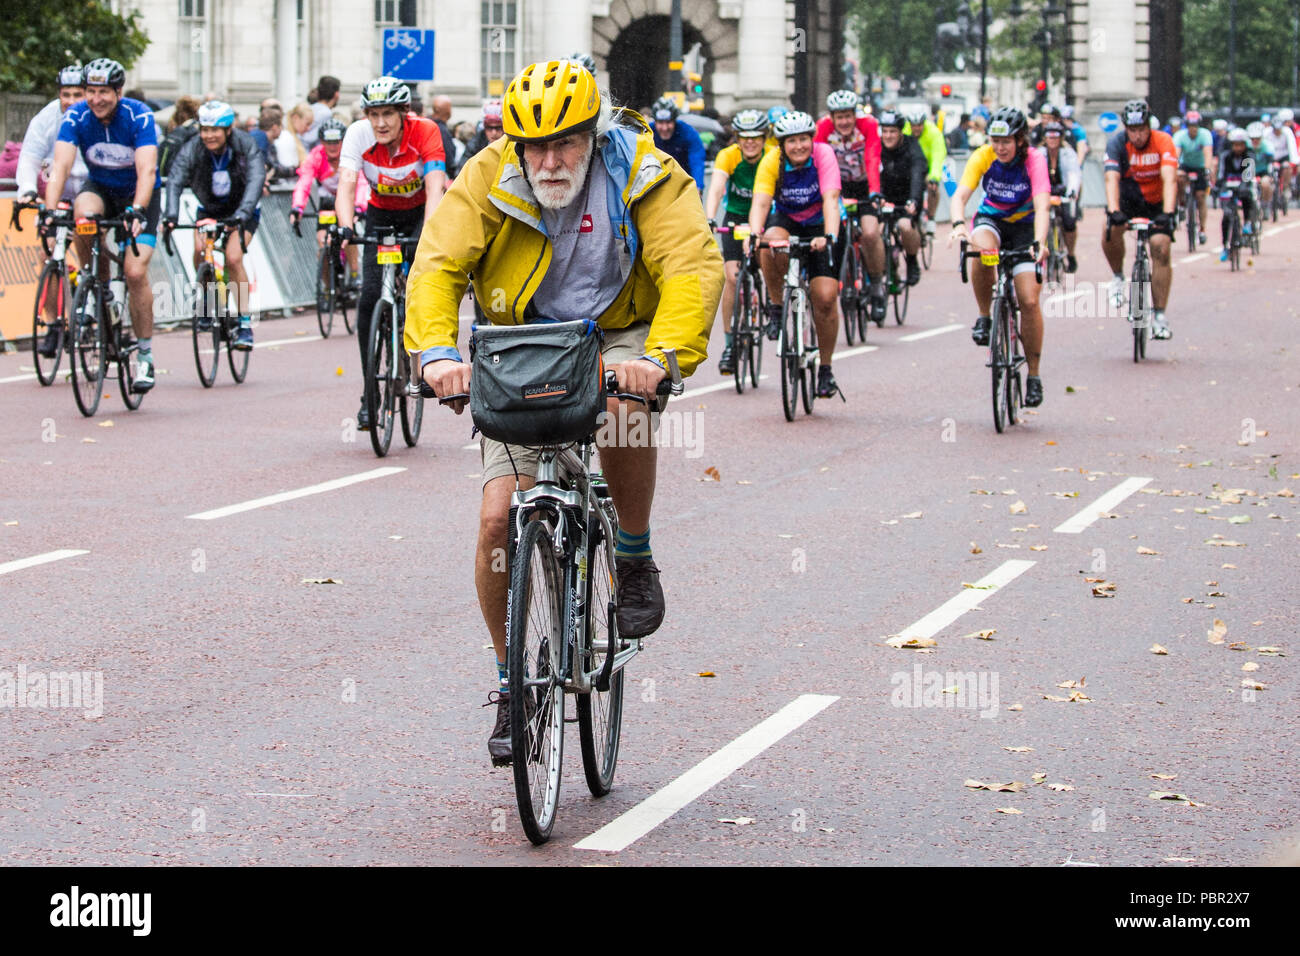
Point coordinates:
[(322, 166)]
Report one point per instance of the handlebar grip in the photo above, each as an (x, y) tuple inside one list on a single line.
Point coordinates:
[(428, 392), (167, 241), (964, 278)]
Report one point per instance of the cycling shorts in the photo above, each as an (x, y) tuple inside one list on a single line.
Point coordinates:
[(115, 205), (1011, 236), (819, 263)]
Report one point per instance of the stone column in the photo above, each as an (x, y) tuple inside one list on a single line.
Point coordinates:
[(762, 68)]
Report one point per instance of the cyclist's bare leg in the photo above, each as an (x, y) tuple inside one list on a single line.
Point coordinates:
[(1201, 195), (982, 276), (491, 570), (88, 204), (1112, 246), (873, 247), (931, 199), (732, 270), (911, 238), (773, 265), (1266, 189), (1182, 187), (1031, 319), (1162, 273), (1071, 238), (235, 272), (140, 293), (826, 316), (630, 467)]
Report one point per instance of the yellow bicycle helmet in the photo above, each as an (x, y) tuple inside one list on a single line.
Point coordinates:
[(549, 100)]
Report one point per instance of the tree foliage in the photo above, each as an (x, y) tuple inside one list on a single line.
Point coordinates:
[(898, 38), (1265, 37), (38, 39)]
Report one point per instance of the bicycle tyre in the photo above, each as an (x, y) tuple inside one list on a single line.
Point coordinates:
[(235, 358), (128, 369), (898, 287), (1142, 325), (757, 301), (927, 249), (904, 294), (848, 295), (1235, 256), (739, 354), (411, 406), (1014, 393), (791, 367), (600, 713), (325, 291), (808, 380), (379, 393), (1190, 202), (997, 362), (536, 689), (48, 368), (89, 347), (208, 308)]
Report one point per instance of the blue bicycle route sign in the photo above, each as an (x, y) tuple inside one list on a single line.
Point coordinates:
[(408, 54)]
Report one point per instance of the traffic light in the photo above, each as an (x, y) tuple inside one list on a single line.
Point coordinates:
[(945, 90), (1041, 86), (1040, 96)]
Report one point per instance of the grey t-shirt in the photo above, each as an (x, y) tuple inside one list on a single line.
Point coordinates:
[(584, 277)]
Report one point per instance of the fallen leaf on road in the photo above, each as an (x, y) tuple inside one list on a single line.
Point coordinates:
[(1180, 859), (1039, 777), (1014, 786), (738, 821), (1270, 651), (1158, 649), (106, 424), (1016, 707), (975, 548), (741, 482), (394, 537), (88, 441), (1013, 809), (1249, 666), (1001, 545), (902, 641), (1239, 519), (1182, 798), (827, 829), (1064, 494), (1038, 547), (711, 474), (1251, 684), (1095, 580), (1285, 493), (1079, 697), (1059, 700), (706, 674), (320, 581), (914, 514), (1164, 776), (1104, 590), (890, 521), (1072, 683), (977, 587), (1216, 634), (1059, 786), (339, 370), (1019, 750), (1018, 508), (984, 635), (1232, 566), (1147, 551)]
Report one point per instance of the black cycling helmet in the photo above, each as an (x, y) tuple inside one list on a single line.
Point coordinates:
[(105, 72), (586, 61), (72, 76), (890, 118), (1007, 121), (1050, 109), (665, 110), (331, 131), (1136, 113)]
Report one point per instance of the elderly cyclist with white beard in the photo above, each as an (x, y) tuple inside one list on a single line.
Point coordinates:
[(574, 214)]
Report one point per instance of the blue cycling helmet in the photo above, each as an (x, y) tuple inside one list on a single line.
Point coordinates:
[(775, 113), (216, 113)]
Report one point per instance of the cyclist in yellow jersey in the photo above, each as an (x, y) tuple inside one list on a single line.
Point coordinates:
[(733, 177)]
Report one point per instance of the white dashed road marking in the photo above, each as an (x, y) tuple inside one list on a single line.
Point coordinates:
[(929, 332), (1102, 505), (298, 493), (971, 597), (45, 558)]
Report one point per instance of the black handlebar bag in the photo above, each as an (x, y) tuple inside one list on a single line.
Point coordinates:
[(540, 384)]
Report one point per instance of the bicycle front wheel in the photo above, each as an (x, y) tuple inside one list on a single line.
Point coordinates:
[(1141, 314), (89, 358), (811, 356), (235, 358), (999, 358), (205, 327), (53, 291), (791, 360), (849, 281), (600, 713), (412, 406), (379, 378), (739, 351), (325, 290), (757, 299), (927, 250), (1190, 201), (534, 637)]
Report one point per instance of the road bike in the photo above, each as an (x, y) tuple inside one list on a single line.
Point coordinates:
[(215, 302), (748, 308), (97, 335), (1230, 203), (1006, 358), (335, 291), (797, 345), (54, 290), (1055, 243), (927, 238), (1190, 210), (392, 391), (1277, 202), (855, 286), (895, 275), (562, 621)]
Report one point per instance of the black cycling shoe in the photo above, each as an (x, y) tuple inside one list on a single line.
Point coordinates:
[(980, 331), (53, 338), (640, 597), (826, 386), (773, 327), (878, 304), (363, 418), (727, 363), (1072, 264), (1033, 392), (913, 271), (499, 745)]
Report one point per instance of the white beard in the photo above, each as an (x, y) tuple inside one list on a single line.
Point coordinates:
[(560, 196)]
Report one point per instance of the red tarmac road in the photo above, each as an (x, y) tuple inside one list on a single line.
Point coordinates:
[(249, 717)]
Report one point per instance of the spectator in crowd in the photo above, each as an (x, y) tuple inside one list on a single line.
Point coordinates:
[(983, 111), (183, 125), (959, 137), (270, 125), (417, 104), (327, 97), (291, 147), (975, 137), (441, 114)]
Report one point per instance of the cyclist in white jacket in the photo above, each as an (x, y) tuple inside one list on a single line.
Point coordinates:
[(1279, 139), (1067, 181), (38, 145)]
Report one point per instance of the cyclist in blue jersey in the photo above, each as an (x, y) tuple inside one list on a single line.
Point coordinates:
[(679, 140), (119, 141)]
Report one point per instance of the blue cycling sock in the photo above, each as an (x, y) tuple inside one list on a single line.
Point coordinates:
[(501, 674), (146, 345), (632, 545)]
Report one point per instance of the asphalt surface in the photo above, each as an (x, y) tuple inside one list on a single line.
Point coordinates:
[(249, 717)]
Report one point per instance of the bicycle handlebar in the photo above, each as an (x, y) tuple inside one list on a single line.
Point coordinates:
[(1007, 259)]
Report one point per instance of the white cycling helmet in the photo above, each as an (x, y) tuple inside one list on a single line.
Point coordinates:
[(792, 124), (1254, 131), (385, 91), (1238, 135), (1219, 125), (842, 100), (1286, 115)]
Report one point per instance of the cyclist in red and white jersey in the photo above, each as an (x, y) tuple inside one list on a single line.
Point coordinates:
[(402, 159)]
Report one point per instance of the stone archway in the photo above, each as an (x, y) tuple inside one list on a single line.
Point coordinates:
[(631, 46)]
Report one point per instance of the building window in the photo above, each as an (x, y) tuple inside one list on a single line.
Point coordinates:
[(192, 47), (499, 49), (390, 13)]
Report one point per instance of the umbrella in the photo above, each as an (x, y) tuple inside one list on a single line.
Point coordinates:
[(702, 124)]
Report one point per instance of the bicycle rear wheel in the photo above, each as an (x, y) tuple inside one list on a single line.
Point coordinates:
[(534, 636), (412, 406), (811, 357), (379, 378), (1190, 201), (325, 289), (235, 358), (600, 713), (53, 284), (128, 368), (898, 287), (849, 281), (791, 364), (999, 360), (207, 310), (1014, 392), (927, 249), (89, 358)]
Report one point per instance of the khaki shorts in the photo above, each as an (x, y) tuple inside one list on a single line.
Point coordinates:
[(500, 459)]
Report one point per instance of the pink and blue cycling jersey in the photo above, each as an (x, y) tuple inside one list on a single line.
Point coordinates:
[(317, 169), (1009, 188), (799, 192)]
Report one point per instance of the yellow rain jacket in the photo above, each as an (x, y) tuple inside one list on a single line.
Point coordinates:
[(489, 225)]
